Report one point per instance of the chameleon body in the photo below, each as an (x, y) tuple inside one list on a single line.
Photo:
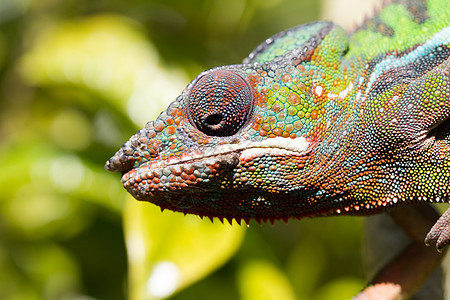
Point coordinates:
[(315, 122)]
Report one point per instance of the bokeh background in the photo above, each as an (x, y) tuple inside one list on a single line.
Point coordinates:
[(77, 78)]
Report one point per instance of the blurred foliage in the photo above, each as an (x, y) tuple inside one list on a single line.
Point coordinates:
[(262, 280), (181, 250), (77, 78)]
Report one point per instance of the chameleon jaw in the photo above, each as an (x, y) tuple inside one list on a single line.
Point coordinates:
[(194, 183), (224, 155)]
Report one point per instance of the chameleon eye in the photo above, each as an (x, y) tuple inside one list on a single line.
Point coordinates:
[(219, 103)]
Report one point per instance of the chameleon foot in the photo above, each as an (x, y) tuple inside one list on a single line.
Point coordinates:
[(440, 232)]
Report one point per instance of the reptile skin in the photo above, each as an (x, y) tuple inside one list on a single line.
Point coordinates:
[(315, 122)]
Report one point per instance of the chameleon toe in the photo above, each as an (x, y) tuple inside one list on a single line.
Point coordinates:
[(440, 232)]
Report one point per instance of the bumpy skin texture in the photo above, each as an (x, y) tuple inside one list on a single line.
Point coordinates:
[(314, 122)]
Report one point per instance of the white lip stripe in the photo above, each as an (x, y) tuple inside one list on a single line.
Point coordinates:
[(297, 145), (256, 152)]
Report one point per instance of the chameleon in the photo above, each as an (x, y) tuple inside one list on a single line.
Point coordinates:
[(316, 121)]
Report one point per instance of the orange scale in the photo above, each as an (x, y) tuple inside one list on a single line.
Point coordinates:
[(256, 126), (286, 78), (189, 170), (265, 127), (281, 116), (278, 131), (293, 99), (298, 125), (277, 108), (171, 130), (174, 112), (301, 86), (159, 125)]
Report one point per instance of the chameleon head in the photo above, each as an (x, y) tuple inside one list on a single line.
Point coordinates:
[(205, 154), (238, 142)]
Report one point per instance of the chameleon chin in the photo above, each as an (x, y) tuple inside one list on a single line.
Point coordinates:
[(315, 122)]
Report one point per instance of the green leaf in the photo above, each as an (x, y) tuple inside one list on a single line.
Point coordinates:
[(46, 194), (37, 271), (106, 54), (169, 251), (340, 289), (260, 279)]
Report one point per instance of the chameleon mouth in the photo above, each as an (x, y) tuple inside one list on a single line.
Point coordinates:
[(184, 171), (229, 155), (226, 182), (195, 186), (195, 182)]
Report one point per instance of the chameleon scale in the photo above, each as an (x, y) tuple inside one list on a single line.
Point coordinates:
[(314, 122)]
